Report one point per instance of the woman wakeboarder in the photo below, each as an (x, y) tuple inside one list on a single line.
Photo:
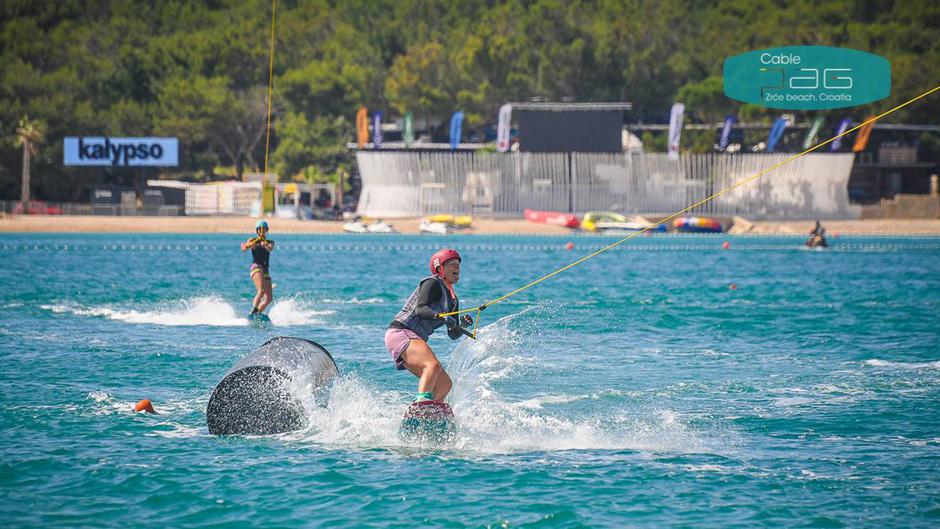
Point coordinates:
[(261, 248), (407, 336)]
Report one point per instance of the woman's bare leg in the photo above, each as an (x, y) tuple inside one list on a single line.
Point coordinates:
[(258, 279), (268, 292), (443, 385), (421, 362)]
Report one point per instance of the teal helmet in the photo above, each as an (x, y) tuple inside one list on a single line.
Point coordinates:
[(261, 224)]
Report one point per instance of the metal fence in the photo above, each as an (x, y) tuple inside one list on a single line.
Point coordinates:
[(38, 207), (402, 184), (223, 199), (220, 198)]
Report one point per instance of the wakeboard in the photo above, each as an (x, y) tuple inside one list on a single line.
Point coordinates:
[(428, 421), (259, 318)]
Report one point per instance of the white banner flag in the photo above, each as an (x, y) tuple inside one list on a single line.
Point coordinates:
[(502, 129), (675, 130)]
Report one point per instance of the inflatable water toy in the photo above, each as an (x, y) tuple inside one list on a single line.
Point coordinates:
[(697, 225), (554, 218), (626, 227), (591, 218), (452, 221), (446, 219)]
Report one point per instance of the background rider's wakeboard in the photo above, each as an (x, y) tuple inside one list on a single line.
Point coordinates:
[(259, 318), (429, 421)]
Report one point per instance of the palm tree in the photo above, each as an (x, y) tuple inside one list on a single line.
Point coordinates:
[(29, 133)]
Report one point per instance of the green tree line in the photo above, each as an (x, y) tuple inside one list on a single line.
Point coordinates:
[(198, 70)]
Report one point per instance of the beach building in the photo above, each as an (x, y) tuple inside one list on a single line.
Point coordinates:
[(567, 157)]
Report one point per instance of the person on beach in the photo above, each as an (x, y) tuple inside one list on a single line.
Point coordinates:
[(407, 336), (261, 248)]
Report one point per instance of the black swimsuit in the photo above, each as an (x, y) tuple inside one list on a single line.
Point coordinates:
[(260, 257)]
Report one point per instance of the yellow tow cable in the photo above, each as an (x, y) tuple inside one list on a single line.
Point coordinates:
[(267, 139)]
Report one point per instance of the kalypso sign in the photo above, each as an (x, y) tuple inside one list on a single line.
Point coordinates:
[(807, 77), (97, 150)]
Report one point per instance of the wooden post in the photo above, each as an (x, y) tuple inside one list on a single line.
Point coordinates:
[(339, 191), (24, 193)]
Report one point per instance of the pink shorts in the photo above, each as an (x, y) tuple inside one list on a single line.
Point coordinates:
[(397, 341)]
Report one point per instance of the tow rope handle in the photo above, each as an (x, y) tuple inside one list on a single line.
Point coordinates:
[(468, 334), (255, 240), (463, 330), (476, 321)]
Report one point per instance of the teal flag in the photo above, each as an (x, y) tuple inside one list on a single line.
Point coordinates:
[(813, 132), (408, 135)]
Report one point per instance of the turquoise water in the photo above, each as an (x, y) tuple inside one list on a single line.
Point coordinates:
[(637, 390)]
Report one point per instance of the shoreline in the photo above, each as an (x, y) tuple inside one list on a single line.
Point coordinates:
[(483, 226)]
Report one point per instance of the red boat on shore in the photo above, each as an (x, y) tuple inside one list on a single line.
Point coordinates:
[(554, 218)]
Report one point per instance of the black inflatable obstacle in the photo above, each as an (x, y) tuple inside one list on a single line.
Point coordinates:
[(264, 393)]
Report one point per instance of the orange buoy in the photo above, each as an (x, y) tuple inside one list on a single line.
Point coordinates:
[(144, 405), (726, 245), (569, 246), (732, 286)]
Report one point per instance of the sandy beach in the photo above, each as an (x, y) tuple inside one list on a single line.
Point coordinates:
[(847, 227), (108, 224)]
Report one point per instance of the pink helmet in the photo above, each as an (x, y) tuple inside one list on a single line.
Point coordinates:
[(440, 257)]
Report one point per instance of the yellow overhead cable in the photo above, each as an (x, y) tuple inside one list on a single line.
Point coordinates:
[(267, 139), (680, 212)]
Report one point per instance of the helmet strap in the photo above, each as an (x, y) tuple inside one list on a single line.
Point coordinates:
[(439, 272), (449, 286)]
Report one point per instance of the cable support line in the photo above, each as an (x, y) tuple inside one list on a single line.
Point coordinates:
[(267, 139)]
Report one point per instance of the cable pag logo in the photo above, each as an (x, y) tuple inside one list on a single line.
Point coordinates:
[(807, 77), (158, 152)]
